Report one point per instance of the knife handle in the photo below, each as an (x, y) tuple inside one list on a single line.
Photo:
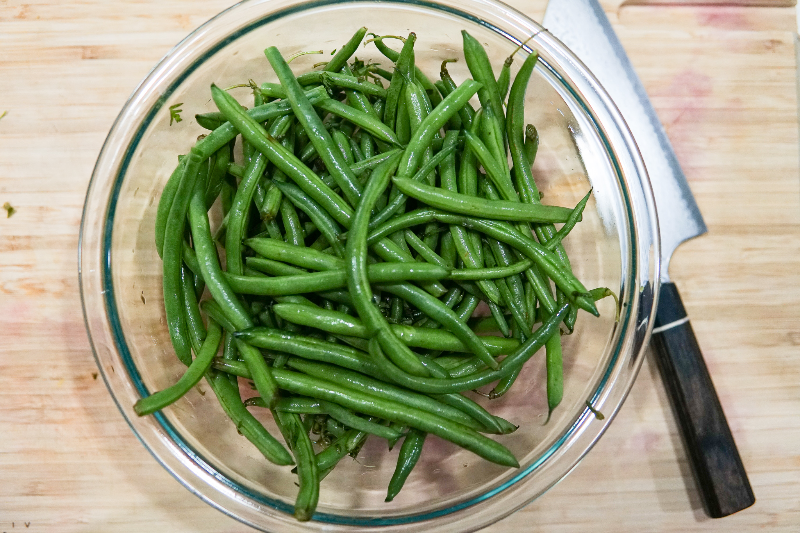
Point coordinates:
[(718, 469)]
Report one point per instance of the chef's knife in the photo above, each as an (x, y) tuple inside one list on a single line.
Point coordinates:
[(584, 28)]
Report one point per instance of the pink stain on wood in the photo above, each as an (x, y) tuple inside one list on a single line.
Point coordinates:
[(682, 105), (725, 18), (647, 441)]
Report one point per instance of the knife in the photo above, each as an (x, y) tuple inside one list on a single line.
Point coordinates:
[(722, 481)]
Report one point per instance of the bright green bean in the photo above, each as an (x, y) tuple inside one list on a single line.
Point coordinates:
[(190, 378), (430, 339), (237, 216), (471, 206), (332, 279), (346, 51), (478, 379), (359, 118), (307, 474), (246, 424), (410, 452), (311, 122)]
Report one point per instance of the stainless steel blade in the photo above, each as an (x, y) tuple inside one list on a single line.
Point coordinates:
[(584, 28)]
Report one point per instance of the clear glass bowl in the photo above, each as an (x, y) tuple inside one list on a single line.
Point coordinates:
[(584, 143)]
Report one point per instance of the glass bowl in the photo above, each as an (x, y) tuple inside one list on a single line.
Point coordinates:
[(584, 143)]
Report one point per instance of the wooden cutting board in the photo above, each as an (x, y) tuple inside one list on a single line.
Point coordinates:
[(723, 80)]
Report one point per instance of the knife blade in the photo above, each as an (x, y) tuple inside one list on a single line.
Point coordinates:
[(722, 481)]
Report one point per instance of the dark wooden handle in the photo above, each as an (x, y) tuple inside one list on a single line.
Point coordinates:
[(718, 469)]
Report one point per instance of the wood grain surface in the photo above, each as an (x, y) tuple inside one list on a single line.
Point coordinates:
[(723, 80)]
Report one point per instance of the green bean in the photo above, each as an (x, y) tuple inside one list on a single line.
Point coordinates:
[(171, 258), (432, 124), (467, 306), (513, 301), (555, 373), (344, 445), (214, 310), (165, 203), (343, 143), (226, 132), (308, 348), (504, 385), (246, 424), (475, 380), (217, 171), (334, 427), (489, 423), (399, 200), (194, 321), (492, 132), (324, 222), (296, 255), (220, 290), (395, 91), (273, 268), (504, 79), (502, 232), (340, 59), (573, 219), (159, 400), (514, 131), (372, 162), (237, 216), (477, 274), (398, 412), (497, 313), (273, 230), (358, 155), (423, 250), (503, 257), (364, 120), (493, 169), (317, 133), (367, 145), (402, 411), (297, 405), (348, 418), (522, 154), (471, 206), (467, 245), (437, 311), (531, 146), (291, 223), (297, 438), (345, 81), (281, 157), (530, 304), (331, 279), (209, 264), (418, 74), (481, 70), (341, 324), (358, 281), (351, 367), (410, 452), (466, 113), (402, 124)]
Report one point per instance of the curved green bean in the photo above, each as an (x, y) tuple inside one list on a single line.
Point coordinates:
[(410, 452), (472, 206), (190, 378)]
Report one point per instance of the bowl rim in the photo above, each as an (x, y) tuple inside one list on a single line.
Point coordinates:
[(192, 462)]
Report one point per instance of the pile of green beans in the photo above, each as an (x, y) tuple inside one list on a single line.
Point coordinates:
[(362, 215)]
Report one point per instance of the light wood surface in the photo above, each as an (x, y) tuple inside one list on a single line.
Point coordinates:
[(723, 81)]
